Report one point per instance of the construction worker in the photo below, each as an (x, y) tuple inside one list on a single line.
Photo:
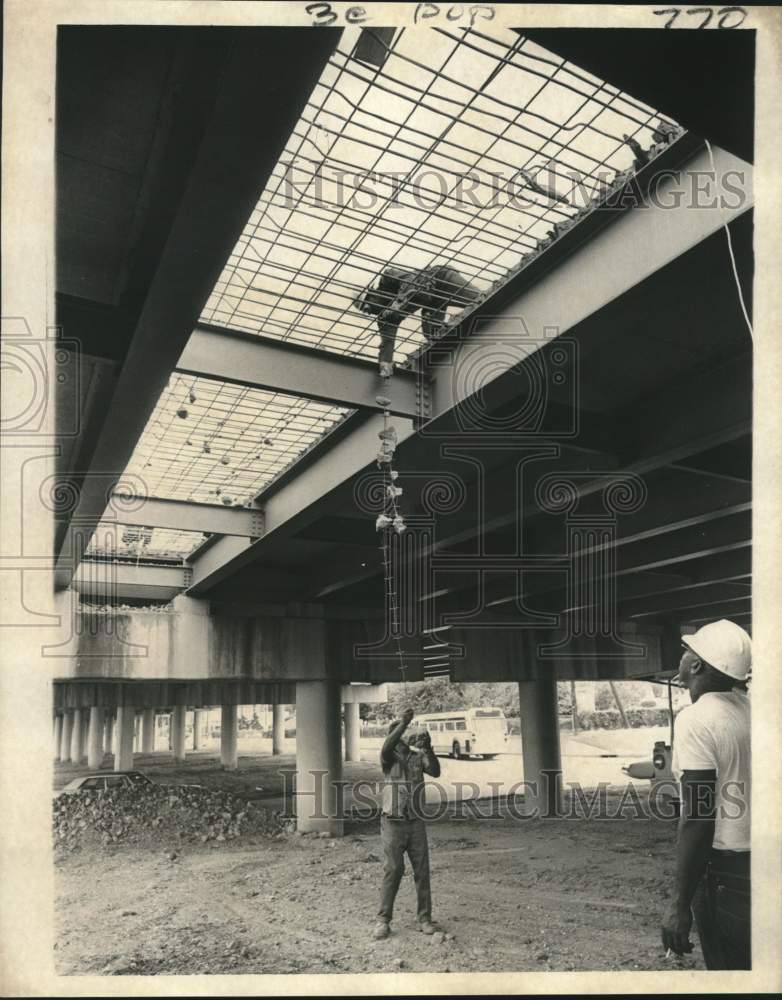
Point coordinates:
[(401, 293), (711, 760), (402, 827)]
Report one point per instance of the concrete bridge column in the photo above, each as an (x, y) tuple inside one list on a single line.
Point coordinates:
[(65, 739), (540, 744), (229, 727), (318, 757), (57, 737), (95, 738), (178, 731), (198, 724), (77, 740), (85, 733), (352, 730), (278, 728), (108, 732), (126, 724), (137, 733), (148, 730)]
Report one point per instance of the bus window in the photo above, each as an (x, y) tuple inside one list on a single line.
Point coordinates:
[(461, 724), (449, 725)]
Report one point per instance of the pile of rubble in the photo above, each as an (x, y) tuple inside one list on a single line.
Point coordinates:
[(160, 815)]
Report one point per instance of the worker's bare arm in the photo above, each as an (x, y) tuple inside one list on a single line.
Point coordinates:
[(387, 753), (694, 841)]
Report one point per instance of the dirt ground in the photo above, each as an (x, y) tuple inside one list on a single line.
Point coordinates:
[(515, 895)]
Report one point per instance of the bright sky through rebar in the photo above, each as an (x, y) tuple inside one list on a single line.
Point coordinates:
[(439, 136)]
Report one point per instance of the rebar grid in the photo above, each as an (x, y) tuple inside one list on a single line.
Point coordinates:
[(214, 442), (446, 109), (129, 543)]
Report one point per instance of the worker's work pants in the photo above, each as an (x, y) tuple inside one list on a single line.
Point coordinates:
[(722, 911), (399, 836)]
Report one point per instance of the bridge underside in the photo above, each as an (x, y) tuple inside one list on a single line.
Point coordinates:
[(575, 454)]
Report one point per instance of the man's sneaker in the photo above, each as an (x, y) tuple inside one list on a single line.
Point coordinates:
[(426, 926), (381, 930)]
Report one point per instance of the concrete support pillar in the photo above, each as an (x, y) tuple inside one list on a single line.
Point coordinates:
[(77, 740), (198, 725), (95, 738), (352, 730), (278, 728), (318, 757), (58, 737), (108, 732), (148, 730), (126, 724), (65, 740), (137, 733), (540, 745), (178, 732), (229, 728)]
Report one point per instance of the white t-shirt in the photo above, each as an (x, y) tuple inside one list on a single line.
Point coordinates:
[(714, 734)]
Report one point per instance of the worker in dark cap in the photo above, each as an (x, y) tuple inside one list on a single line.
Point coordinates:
[(712, 761), (402, 828), (401, 293)]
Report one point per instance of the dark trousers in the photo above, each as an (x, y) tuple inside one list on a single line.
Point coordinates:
[(722, 911), (398, 836)]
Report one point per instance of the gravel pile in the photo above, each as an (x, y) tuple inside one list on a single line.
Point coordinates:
[(159, 815)]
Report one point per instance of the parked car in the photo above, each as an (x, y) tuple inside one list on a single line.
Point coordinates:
[(101, 781)]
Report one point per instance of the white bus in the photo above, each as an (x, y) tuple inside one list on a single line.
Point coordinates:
[(467, 732)]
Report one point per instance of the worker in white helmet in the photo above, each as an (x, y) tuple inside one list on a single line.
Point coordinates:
[(711, 760)]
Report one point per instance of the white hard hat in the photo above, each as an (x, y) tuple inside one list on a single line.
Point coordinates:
[(723, 645)]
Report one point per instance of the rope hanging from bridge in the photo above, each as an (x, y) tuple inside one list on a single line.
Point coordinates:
[(389, 522)]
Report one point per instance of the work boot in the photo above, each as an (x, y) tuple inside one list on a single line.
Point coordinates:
[(381, 931), (426, 926)]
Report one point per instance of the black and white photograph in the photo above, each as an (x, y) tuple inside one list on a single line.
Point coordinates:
[(390, 406)]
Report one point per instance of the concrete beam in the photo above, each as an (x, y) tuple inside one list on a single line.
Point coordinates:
[(279, 366)]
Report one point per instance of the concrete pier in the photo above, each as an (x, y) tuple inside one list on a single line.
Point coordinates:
[(178, 732), (198, 725), (77, 739), (540, 749), (229, 726), (352, 731), (65, 738), (57, 737), (278, 728), (318, 757), (108, 735), (126, 724), (148, 730), (95, 738)]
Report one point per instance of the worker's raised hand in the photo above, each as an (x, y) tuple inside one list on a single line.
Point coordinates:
[(407, 716), (676, 931)]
